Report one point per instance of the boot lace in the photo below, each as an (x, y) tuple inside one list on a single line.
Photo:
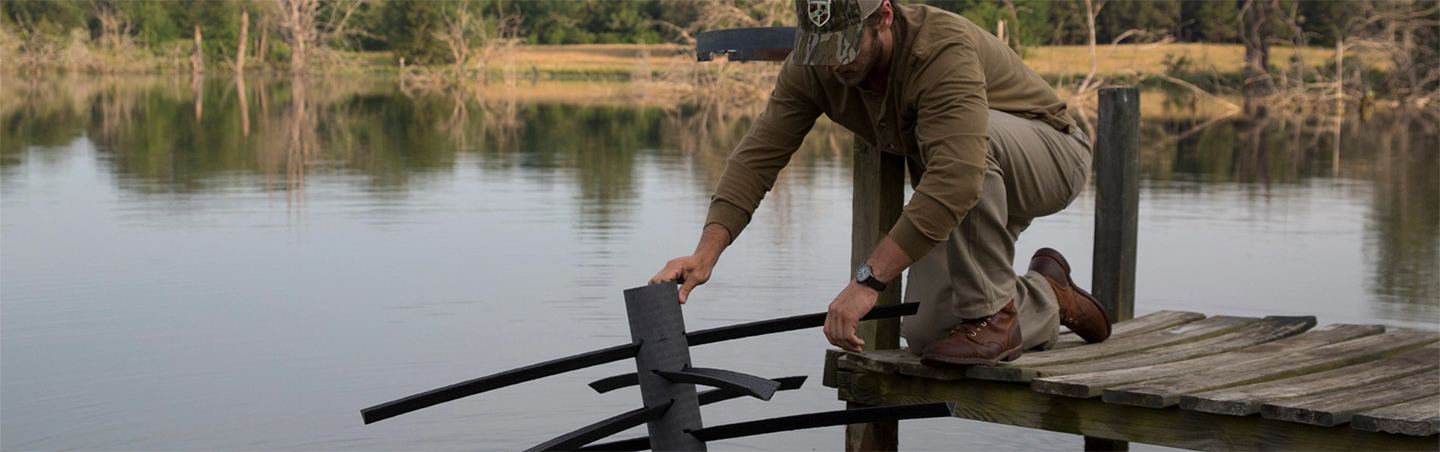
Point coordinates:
[(970, 327)]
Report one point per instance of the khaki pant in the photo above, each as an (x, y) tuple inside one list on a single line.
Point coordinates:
[(1032, 170)]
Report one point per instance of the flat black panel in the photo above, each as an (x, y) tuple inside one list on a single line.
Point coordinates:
[(657, 324)]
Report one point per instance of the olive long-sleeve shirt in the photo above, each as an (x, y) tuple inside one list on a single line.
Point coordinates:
[(945, 74)]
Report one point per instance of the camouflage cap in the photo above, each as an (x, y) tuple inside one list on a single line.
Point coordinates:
[(830, 31)]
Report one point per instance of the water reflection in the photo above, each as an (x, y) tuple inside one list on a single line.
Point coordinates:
[(160, 139)]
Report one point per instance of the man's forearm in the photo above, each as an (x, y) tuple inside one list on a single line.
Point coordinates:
[(888, 260), (713, 241)]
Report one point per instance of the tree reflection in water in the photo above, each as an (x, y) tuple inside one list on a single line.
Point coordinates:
[(367, 133)]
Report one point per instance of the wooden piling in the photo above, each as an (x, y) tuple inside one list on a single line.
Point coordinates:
[(1117, 204), (879, 195), (1117, 200)]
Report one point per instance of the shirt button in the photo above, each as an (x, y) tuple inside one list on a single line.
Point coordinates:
[(892, 146), (882, 124)]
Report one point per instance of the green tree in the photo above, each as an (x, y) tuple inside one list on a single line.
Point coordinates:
[(1154, 17), (411, 28)]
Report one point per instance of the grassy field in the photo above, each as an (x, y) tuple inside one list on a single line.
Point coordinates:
[(623, 60)]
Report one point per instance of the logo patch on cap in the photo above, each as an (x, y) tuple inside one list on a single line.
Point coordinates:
[(819, 12)]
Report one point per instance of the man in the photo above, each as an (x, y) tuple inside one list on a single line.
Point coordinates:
[(988, 145)]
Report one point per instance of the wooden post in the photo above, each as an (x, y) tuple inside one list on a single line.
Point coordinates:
[(1117, 200), (879, 195), (240, 54), (1117, 204)]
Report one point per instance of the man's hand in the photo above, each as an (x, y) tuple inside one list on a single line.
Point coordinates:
[(694, 270), (690, 271), (844, 315)]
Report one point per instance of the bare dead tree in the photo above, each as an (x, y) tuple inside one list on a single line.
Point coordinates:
[(1256, 31), (475, 39), (1092, 10), (307, 24), (240, 53)]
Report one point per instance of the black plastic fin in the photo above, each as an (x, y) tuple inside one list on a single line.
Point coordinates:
[(720, 395), (612, 383), (507, 378), (757, 387), (624, 445), (591, 433)]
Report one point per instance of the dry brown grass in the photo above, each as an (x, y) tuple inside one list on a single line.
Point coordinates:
[(595, 58), (1150, 58), (1048, 61)]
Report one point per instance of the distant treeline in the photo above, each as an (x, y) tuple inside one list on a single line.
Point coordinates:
[(410, 28)]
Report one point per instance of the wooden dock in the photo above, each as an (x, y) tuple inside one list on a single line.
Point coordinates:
[(1177, 379), (1180, 379)]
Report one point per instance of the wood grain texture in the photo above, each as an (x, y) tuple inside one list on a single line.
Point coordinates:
[(1117, 200), (1165, 392), (879, 196), (1415, 418), (1093, 384), (1266, 330), (1246, 400), (1022, 369), (1336, 407), (1015, 404), (1154, 321)]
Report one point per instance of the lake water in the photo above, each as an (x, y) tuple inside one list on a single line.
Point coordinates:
[(248, 273)]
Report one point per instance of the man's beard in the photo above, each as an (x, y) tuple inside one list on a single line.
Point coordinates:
[(868, 56)]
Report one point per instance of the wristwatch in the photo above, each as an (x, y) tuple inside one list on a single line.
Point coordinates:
[(865, 275)]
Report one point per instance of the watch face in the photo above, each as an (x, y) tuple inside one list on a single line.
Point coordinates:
[(863, 273)]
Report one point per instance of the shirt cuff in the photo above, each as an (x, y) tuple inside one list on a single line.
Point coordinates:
[(729, 216), (911, 240)]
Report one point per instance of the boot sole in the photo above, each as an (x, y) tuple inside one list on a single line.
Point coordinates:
[(1055, 256), (949, 362)]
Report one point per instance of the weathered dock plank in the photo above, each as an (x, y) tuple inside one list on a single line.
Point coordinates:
[(1022, 369), (1336, 407), (1246, 400), (1415, 418), (1266, 330), (1165, 392), (1015, 404), (901, 361), (1154, 321), (1093, 384)]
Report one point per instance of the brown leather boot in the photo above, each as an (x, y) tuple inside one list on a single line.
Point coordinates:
[(1079, 311), (978, 342)]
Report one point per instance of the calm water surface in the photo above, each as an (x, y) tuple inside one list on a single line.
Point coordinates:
[(249, 273)]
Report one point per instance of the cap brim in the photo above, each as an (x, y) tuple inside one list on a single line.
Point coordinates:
[(836, 48)]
